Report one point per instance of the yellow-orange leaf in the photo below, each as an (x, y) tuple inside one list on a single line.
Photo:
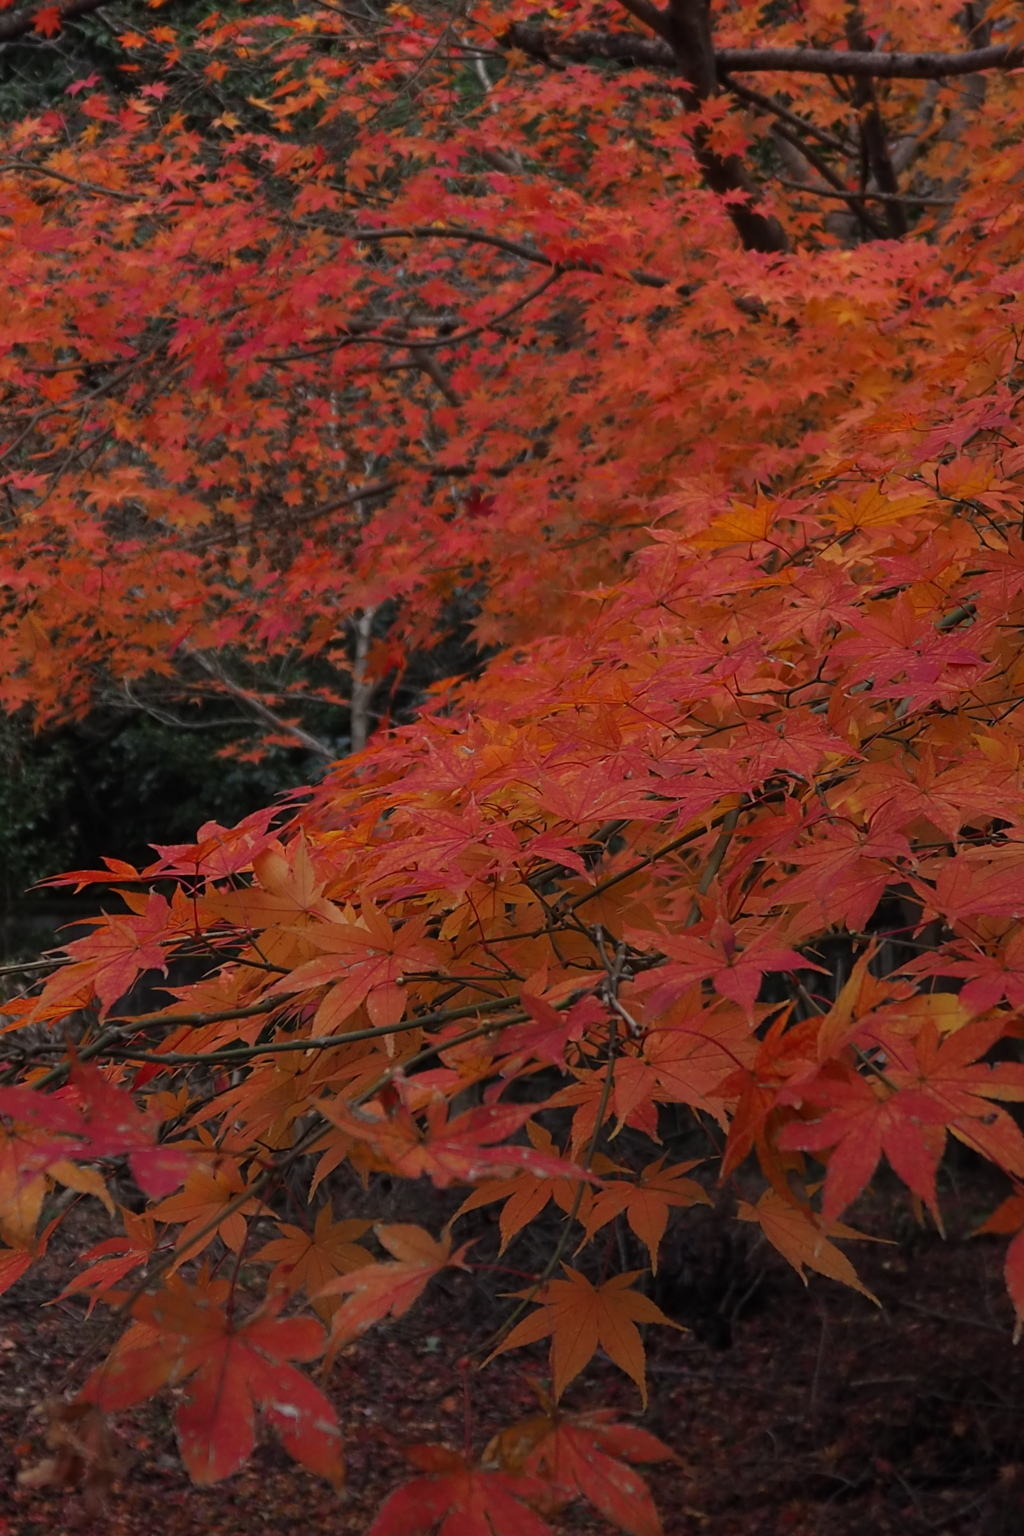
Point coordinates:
[(582, 1318), (379, 1290), (789, 1229), (311, 1259)]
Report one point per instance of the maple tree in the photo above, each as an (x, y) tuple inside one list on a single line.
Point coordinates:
[(680, 351)]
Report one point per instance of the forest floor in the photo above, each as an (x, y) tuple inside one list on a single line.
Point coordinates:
[(805, 1412)]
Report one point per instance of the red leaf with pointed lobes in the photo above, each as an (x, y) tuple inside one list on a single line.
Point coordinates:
[(231, 1369), (48, 22), (461, 1500), (735, 972), (549, 1033), (861, 1124), (449, 1150), (586, 1455), (904, 1107), (95, 1118), (113, 957), (110, 1261)]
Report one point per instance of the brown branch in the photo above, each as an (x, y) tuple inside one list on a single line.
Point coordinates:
[(429, 365), (243, 1053), (775, 107), (686, 27), (872, 128), (647, 13), (875, 197), (398, 339), (256, 706), (544, 43), (83, 186), (825, 171), (869, 65), (372, 488), (270, 1005), (499, 242)]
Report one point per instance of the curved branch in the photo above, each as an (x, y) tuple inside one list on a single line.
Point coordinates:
[(499, 242)]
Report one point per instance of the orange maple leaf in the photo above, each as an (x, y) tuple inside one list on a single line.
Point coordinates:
[(200, 1206), (309, 1260), (580, 1318), (382, 1290), (794, 1233), (646, 1203), (370, 957)]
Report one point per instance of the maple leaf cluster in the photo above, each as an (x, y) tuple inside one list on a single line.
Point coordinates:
[(734, 484)]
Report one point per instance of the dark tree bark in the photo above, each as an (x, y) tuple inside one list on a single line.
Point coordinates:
[(685, 25), (544, 42)]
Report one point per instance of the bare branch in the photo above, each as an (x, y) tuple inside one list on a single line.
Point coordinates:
[(312, 514), (255, 706), (83, 186), (873, 130), (361, 688), (429, 365), (806, 154)]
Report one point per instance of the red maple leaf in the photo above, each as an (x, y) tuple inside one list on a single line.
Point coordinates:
[(232, 1368), (913, 1090), (461, 1499), (113, 957), (48, 21), (92, 1118), (735, 972), (446, 1150)]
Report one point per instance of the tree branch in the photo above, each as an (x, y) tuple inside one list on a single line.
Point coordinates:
[(500, 243), (772, 105), (310, 515), (685, 26), (256, 706), (872, 127), (825, 171), (361, 687), (875, 197), (627, 48)]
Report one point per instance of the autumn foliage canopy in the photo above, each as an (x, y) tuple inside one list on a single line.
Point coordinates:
[(678, 355)]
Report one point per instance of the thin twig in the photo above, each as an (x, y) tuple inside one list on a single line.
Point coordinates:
[(84, 186), (876, 197)]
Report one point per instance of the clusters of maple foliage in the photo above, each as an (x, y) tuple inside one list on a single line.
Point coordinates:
[(735, 483)]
